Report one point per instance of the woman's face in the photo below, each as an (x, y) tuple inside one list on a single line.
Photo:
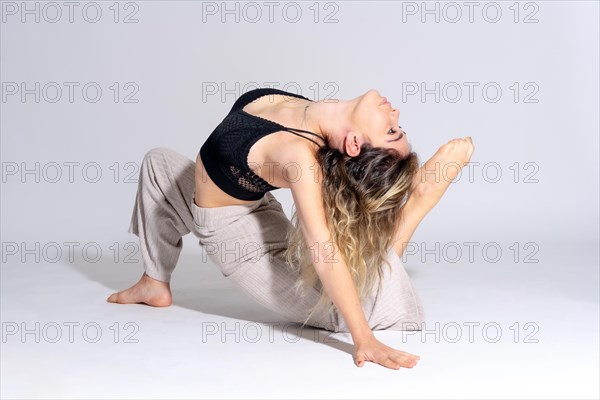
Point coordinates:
[(377, 121)]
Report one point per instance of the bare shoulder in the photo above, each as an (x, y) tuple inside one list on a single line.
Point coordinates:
[(294, 151)]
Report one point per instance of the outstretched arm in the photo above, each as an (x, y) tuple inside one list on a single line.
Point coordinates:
[(429, 185), (334, 274)]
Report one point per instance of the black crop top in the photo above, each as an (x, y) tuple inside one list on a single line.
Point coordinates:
[(225, 152)]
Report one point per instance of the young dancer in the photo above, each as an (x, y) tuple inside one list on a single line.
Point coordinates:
[(358, 193)]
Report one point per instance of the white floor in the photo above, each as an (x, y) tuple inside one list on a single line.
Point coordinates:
[(180, 352)]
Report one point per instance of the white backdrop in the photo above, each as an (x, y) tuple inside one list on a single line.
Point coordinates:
[(89, 87), (81, 99)]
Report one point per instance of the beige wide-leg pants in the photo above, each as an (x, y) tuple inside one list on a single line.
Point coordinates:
[(247, 242)]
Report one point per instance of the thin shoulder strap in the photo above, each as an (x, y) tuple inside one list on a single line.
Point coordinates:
[(254, 94), (291, 130)]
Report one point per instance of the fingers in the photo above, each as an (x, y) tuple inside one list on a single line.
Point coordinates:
[(376, 352), (470, 148), (457, 150), (470, 152), (394, 360), (463, 148), (359, 361)]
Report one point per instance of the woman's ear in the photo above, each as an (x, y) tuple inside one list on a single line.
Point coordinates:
[(352, 143)]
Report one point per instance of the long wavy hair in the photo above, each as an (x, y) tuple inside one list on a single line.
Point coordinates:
[(362, 196)]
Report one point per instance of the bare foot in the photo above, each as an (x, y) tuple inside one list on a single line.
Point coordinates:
[(148, 291)]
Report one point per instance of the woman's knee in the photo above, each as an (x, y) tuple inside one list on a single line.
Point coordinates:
[(155, 154)]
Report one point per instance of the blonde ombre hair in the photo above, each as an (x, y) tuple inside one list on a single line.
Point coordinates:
[(362, 196)]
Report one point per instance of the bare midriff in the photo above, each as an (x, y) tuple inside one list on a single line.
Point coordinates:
[(208, 194)]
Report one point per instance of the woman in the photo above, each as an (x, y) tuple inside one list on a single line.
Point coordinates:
[(359, 196)]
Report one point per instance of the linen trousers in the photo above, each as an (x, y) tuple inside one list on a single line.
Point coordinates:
[(246, 242)]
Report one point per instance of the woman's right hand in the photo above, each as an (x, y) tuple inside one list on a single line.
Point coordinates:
[(435, 176), (373, 350)]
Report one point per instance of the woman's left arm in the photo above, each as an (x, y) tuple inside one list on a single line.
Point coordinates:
[(429, 187), (412, 214)]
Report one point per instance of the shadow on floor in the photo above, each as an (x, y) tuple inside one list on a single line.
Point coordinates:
[(201, 287)]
